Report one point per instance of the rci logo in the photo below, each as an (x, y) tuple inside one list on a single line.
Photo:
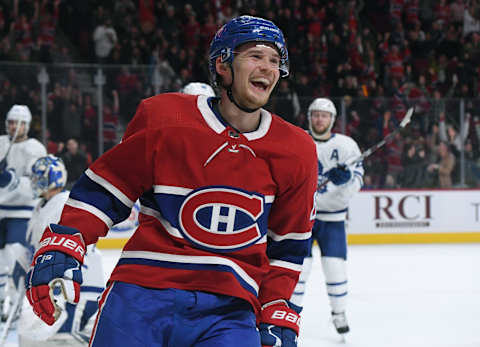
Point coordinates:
[(407, 211)]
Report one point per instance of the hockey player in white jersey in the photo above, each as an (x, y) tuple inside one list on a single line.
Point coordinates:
[(337, 184), (17, 154), (74, 326)]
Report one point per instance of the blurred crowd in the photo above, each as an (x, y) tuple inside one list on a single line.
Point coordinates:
[(375, 59)]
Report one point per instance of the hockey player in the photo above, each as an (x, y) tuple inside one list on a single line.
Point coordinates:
[(75, 323), (16, 197), (333, 151), (227, 194), (198, 88)]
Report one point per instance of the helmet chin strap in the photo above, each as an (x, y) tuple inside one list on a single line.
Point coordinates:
[(232, 99)]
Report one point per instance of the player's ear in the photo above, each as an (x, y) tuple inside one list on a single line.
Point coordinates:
[(223, 69)]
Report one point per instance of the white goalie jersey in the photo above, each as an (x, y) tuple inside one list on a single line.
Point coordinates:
[(332, 200), (16, 199), (75, 324)]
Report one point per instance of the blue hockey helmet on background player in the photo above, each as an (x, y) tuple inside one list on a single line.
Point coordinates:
[(245, 29), (198, 88), (48, 173), (325, 105)]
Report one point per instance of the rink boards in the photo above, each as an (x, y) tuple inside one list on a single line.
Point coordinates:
[(398, 216)]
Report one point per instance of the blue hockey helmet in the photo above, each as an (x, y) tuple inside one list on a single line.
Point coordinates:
[(245, 29), (48, 173)]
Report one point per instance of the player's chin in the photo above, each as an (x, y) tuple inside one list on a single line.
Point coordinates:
[(257, 100)]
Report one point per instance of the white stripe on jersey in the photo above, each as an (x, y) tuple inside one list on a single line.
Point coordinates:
[(289, 236), (91, 209), (286, 265), (191, 259), (172, 190), (110, 188)]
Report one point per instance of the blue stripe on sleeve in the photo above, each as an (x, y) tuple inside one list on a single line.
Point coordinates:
[(91, 193), (292, 251)]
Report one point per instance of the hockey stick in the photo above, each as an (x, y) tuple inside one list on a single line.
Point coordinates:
[(406, 119), (13, 311)]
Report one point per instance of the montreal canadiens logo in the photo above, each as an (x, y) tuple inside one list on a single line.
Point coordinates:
[(221, 219)]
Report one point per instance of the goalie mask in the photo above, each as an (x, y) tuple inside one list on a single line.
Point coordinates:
[(48, 173), (198, 88), (326, 105), (19, 113)]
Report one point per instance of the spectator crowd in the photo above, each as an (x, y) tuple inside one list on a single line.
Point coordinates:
[(375, 59)]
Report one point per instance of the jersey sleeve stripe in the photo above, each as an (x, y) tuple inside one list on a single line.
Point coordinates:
[(159, 189), (189, 260), (289, 236), (91, 193), (91, 209), (110, 188), (286, 265), (269, 199)]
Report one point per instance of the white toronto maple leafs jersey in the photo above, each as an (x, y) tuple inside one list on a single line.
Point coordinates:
[(16, 199), (332, 200)]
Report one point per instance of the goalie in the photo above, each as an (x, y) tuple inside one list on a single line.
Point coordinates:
[(74, 325)]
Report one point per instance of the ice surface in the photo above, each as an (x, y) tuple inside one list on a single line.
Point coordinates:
[(399, 296)]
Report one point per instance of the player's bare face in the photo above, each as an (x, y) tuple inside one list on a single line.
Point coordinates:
[(12, 128), (256, 72), (321, 121)]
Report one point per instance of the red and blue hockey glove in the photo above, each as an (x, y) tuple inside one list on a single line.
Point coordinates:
[(57, 261), (339, 175), (279, 324)]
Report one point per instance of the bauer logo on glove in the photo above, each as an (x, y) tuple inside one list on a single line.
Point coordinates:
[(56, 263)]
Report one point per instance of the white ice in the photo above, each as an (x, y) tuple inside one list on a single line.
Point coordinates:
[(399, 296)]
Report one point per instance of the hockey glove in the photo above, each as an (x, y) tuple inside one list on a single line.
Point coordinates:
[(339, 175), (57, 261), (5, 175), (279, 324)]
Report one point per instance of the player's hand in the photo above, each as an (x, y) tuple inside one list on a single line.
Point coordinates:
[(5, 175), (57, 262), (339, 175), (279, 324)]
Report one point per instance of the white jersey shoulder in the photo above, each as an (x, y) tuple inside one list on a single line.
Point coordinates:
[(17, 199), (332, 201), (44, 214), (22, 155)]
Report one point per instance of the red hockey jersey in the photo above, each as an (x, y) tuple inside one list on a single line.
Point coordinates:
[(221, 211)]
